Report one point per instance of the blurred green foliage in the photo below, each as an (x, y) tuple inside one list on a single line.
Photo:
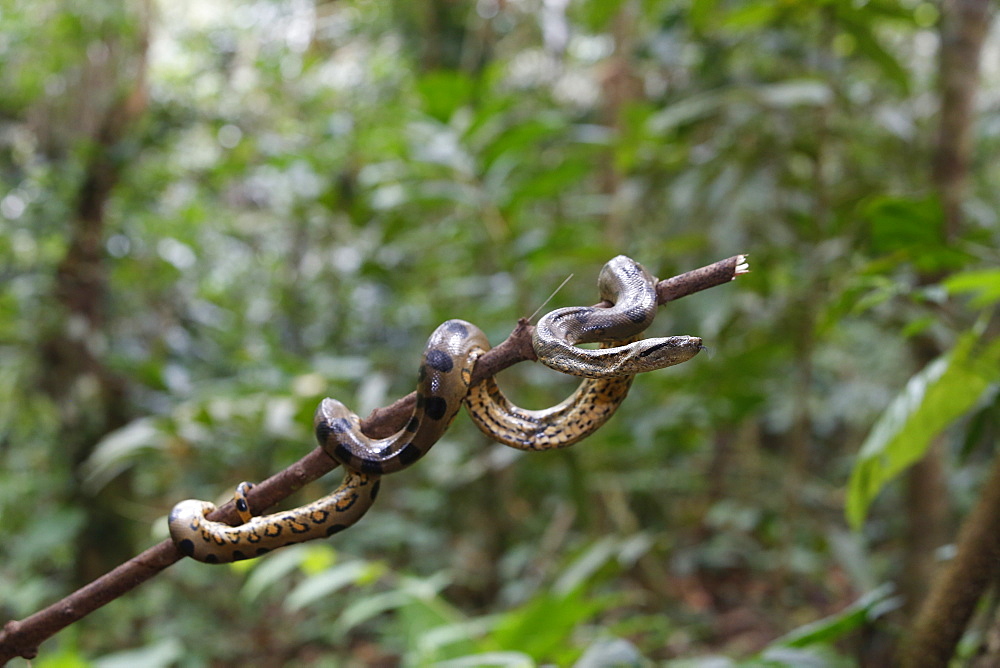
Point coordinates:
[(312, 187)]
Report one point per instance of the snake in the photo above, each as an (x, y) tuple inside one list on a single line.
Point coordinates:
[(443, 386), (608, 371), (442, 383)]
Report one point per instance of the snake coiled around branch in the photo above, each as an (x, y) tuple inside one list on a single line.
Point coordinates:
[(443, 381), (442, 387)]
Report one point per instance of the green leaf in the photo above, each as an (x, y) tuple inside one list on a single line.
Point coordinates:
[(752, 16), (911, 228), (410, 590), (444, 92), (116, 451), (490, 660), (323, 584), (945, 390), (702, 13), (690, 109), (826, 630), (984, 284), (543, 626), (167, 652), (276, 568), (862, 29), (902, 222)]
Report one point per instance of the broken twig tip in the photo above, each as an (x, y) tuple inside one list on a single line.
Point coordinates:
[(742, 265)]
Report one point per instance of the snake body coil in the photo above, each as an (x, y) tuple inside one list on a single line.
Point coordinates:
[(443, 385), (632, 291), (609, 371), (562, 425), (445, 370)]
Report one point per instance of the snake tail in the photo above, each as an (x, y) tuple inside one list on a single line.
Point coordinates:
[(217, 542)]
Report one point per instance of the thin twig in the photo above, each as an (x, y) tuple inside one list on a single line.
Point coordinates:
[(549, 298), (21, 638)]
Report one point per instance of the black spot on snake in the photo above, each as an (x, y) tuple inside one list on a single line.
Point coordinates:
[(342, 454), (457, 329), (211, 559), (436, 407), (239, 556), (263, 550), (370, 466), (336, 528), (322, 432), (637, 314), (409, 454), (413, 424), (186, 547), (439, 360)]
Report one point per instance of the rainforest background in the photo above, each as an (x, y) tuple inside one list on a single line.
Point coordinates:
[(213, 214)]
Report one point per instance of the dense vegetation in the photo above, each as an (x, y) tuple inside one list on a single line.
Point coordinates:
[(213, 214)]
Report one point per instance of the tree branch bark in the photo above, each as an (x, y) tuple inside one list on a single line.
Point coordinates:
[(21, 638)]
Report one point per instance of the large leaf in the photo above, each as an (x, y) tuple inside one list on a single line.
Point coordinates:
[(945, 390)]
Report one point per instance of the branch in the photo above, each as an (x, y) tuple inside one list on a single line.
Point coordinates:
[(21, 638)]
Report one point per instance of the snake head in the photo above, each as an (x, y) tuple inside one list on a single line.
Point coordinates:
[(626, 360), (646, 355), (668, 351)]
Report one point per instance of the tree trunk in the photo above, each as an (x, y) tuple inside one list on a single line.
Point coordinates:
[(944, 614), (949, 606), (72, 372)]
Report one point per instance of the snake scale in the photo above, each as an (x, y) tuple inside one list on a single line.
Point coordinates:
[(442, 387)]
